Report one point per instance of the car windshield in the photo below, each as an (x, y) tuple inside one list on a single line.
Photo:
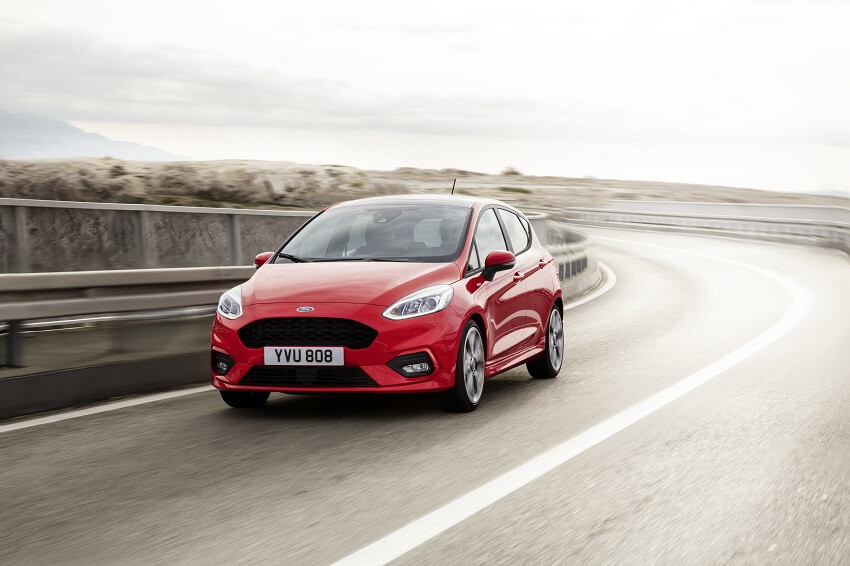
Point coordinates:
[(402, 232)]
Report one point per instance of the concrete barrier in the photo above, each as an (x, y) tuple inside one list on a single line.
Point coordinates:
[(50, 391), (55, 236)]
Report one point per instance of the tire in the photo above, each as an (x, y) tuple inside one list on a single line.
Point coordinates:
[(244, 399), (465, 394), (549, 363)]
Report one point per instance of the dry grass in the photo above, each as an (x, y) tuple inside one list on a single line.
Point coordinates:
[(548, 191), (211, 183), (291, 185)]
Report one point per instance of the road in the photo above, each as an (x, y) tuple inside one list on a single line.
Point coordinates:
[(740, 455)]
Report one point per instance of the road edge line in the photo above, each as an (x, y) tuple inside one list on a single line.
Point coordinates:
[(104, 408)]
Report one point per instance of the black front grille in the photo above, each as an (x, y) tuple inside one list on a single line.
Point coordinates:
[(299, 376), (307, 331)]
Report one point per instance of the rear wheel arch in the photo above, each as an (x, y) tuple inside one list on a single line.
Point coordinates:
[(548, 364), (559, 302)]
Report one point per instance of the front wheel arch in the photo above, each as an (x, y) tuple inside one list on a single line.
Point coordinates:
[(459, 398), (479, 319)]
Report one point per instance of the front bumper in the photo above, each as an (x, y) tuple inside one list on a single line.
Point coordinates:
[(436, 334)]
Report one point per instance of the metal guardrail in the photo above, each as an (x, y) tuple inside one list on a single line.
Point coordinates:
[(28, 296), (570, 250), (79, 321), (824, 214), (835, 234), (128, 331), (123, 294)]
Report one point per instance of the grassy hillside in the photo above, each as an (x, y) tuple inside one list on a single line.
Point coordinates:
[(290, 185), (213, 183)]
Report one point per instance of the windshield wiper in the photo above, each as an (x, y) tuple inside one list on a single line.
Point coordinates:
[(293, 258)]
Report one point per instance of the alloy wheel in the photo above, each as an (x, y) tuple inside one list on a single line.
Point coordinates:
[(473, 365), (556, 340)]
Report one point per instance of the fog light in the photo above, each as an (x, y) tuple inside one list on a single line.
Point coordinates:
[(423, 367), (222, 363), (412, 365)]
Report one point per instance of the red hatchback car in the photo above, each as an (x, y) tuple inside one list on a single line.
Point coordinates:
[(393, 294)]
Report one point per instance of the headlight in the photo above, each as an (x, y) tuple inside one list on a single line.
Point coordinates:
[(426, 301), (230, 303)]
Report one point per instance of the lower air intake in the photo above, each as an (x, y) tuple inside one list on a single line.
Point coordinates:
[(298, 376)]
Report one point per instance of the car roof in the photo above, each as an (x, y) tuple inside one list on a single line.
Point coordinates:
[(447, 200)]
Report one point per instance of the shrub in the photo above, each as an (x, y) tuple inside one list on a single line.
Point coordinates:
[(117, 170)]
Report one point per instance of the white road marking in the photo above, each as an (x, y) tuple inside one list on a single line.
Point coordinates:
[(610, 281), (425, 528), (106, 407)]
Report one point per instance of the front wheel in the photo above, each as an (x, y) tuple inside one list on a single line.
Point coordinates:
[(465, 394), (244, 399), (549, 363)]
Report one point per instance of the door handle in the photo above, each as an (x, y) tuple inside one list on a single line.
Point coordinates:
[(518, 276), (542, 263)]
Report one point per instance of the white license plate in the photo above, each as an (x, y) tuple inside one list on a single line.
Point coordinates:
[(303, 356)]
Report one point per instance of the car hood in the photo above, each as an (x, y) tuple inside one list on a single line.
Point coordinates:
[(377, 283)]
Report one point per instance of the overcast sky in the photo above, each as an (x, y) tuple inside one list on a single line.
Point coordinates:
[(739, 92)]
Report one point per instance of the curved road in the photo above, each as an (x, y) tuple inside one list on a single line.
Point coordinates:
[(710, 389)]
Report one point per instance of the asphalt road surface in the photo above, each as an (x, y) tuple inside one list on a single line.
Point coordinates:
[(702, 417)]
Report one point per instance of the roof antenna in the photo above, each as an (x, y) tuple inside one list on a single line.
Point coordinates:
[(453, 186)]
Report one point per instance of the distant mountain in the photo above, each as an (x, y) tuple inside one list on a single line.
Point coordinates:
[(28, 136)]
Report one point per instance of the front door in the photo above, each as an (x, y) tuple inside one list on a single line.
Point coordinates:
[(503, 297)]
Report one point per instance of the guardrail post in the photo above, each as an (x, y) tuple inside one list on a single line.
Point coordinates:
[(13, 344), (140, 230), (235, 240), (16, 246)]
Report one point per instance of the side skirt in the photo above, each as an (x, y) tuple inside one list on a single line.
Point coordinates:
[(504, 364)]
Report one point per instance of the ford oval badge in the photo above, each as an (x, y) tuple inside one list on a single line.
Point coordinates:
[(305, 309)]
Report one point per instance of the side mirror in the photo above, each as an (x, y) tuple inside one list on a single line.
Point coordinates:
[(262, 258), (497, 260)]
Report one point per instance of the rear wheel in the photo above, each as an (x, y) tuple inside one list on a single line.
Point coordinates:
[(465, 394), (549, 363), (244, 399)]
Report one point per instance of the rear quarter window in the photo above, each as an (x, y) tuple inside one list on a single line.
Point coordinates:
[(516, 230)]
